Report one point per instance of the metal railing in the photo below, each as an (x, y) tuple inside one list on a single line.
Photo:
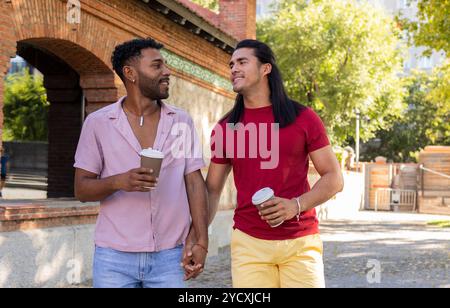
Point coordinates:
[(435, 172), (422, 175), (395, 197)]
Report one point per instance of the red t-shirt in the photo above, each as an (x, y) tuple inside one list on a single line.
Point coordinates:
[(285, 170)]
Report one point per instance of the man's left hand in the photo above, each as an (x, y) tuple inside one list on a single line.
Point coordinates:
[(277, 210)]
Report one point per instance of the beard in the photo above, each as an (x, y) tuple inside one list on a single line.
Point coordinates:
[(152, 88)]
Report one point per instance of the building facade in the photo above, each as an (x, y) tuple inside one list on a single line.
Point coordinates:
[(414, 59), (71, 43)]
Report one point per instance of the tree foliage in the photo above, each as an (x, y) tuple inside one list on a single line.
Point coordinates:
[(213, 5), (339, 56), (432, 27), (25, 107), (425, 122)]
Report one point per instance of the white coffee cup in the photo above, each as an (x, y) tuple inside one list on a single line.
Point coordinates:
[(262, 196)]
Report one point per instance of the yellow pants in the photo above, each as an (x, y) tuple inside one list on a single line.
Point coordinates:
[(296, 263)]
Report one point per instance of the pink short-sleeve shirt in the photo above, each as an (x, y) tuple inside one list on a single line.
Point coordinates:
[(141, 221)]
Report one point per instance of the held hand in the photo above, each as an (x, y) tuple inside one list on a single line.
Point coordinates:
[(199, 253), (140, 179), (187, 261), (277, 210), (194, 256)]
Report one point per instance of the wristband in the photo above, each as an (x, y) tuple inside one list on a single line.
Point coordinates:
[(204, 248), (299, 208)]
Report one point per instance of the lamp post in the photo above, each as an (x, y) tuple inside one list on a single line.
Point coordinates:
[(357, 139)]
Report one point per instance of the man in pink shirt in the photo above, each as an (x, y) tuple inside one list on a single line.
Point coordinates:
[(144, 221)]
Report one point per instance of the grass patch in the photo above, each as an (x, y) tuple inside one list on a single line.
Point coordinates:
[(440, 223)]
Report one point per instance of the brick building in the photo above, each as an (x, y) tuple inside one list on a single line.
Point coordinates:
[(71, 42)]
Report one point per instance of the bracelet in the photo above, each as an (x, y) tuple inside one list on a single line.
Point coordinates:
[(299, 208), (204, 248)]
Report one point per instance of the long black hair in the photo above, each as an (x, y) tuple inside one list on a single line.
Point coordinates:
[(285, 110)]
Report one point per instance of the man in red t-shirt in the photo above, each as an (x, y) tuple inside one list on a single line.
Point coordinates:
[(267, 140)]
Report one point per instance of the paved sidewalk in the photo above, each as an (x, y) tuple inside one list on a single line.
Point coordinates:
[(408, 252), (25, 185)]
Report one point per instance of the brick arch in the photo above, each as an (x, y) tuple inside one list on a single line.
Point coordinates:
[(45, 23), (86, 47), (83, 61), (97, 80), (62, 84), (75, 61)]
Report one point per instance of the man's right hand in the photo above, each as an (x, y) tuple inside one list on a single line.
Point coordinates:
[(140, 179)]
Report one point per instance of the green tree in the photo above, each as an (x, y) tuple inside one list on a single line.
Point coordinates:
[(339, 56), (25, 108), (432, 27), (213, 5), (425, 122), (440, 93)]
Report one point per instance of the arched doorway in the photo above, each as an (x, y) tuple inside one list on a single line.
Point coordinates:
[(77, 82), (75, 62), (65, 115)]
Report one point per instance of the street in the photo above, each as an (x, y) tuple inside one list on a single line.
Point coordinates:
[(407, 252)]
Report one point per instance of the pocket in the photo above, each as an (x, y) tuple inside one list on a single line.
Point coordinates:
[(308, 244), (171, 256), (179, 247), (315, 242), (234, 238), (101, 250), (105, 255), (240, 239)]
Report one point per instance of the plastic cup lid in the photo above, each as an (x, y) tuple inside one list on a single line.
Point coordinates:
[(151, 153), (262, 196)]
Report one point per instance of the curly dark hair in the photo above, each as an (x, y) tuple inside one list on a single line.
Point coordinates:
[(130, 50)]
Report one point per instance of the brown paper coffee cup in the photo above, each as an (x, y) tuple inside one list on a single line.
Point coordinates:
[(152, 159), (152, 163)]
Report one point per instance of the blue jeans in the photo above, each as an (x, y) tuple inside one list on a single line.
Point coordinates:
[(116, 269)]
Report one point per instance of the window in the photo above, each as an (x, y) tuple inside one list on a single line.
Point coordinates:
[(425, 63), (407, 64), (403, 4), (258, 9)]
